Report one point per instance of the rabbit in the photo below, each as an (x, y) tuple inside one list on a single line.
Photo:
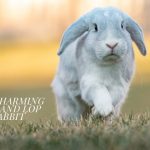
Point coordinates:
[(96, 64)]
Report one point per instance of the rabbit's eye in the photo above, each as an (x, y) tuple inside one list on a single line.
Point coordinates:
[(122, 24), (95, 27)]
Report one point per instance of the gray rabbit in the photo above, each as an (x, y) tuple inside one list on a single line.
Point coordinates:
[(96, 64)]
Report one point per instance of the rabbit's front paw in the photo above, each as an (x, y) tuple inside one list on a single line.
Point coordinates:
[(103, 110)]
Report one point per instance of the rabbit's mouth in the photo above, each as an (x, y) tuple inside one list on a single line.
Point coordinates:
[(111, 57)]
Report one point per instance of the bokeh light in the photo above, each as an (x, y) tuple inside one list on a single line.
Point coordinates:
[(30, 32)]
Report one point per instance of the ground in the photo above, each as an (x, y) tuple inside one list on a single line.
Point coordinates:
[(27, 70), (128, 132)]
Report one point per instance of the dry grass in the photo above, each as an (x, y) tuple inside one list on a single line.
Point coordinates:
[(126, 133), (33, 65)]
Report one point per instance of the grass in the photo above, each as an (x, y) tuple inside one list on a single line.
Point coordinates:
[(130, 132), (27, 70), (42, 132), (137, 101)]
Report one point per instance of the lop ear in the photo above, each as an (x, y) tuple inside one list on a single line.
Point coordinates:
[(73, 32), (136, 34)]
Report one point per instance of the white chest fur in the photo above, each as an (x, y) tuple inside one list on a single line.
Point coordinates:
[(111, 77)]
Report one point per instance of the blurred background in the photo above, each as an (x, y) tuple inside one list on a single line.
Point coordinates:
[(30, 31)]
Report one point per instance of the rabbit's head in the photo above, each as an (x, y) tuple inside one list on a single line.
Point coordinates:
[(108, 34)]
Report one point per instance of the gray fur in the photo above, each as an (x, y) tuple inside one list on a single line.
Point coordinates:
[(89, 77)]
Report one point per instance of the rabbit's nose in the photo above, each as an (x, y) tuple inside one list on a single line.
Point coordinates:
[(111, 46)]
